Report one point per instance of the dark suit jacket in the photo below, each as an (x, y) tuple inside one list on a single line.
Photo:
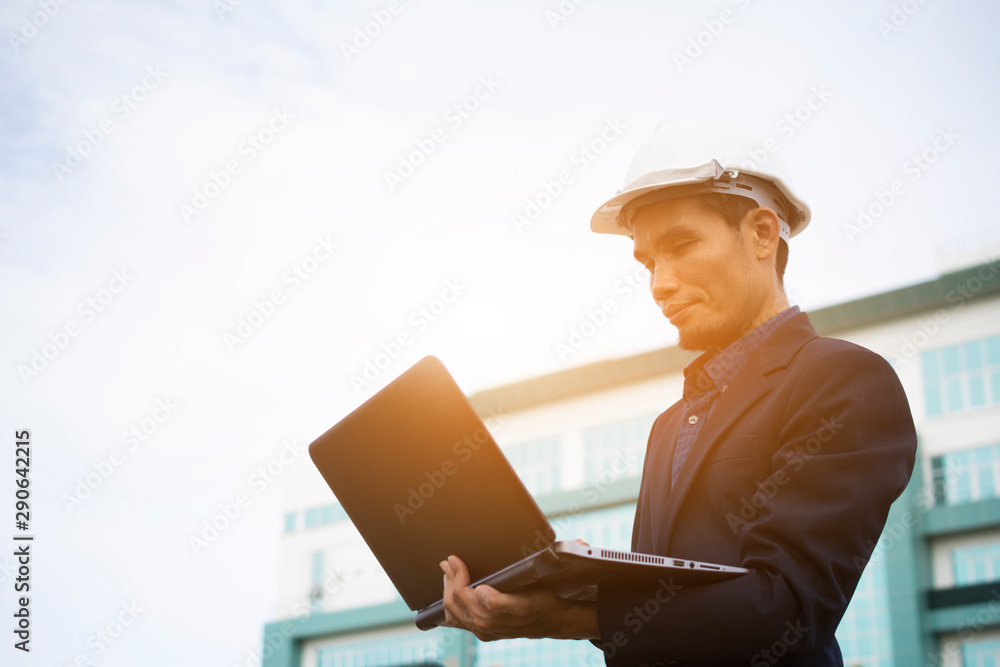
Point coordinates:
[(792, 477)]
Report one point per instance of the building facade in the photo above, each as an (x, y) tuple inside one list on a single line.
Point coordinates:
[(930, 594)]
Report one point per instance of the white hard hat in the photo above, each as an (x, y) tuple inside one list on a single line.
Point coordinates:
[(692, 155)]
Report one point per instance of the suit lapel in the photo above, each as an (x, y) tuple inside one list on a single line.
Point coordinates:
[(747, 388)]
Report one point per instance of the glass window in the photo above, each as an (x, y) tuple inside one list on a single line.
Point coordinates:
[(290, 521), (966, 476), (538, 463), (976, 565), (320, 516), (981, 653), (616, 450), (863, 633), (610, 527), (316, 579), (993, 350), (962, 377), (415, 648)]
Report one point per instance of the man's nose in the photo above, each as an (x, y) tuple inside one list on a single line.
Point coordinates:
[(662, 283)]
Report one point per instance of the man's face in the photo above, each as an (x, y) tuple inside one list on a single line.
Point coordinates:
[(704, 275)]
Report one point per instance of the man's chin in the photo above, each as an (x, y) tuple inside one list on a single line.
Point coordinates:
[(695, 340), (691, 341)]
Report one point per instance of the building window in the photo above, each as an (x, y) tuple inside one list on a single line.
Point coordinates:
[(864, 634), (619, 447), (320, 516), (538, 464), (976, 565), (316, 580), (291, 518), (538, 652), (966, 476), (962, 377), (416, 648), (610, 528), (981, 654)]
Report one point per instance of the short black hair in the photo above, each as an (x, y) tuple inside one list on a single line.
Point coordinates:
[(733, 209)]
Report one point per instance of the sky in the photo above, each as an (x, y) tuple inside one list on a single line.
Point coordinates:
[(223, 225)]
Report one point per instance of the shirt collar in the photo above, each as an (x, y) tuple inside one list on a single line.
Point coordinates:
[(715, 369)]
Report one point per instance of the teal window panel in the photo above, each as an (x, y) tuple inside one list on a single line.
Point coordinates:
[(953, 389), (538, 463), (976, 565), (977, 391), (962, 377), (984, 653), (863, 633), (291, 519), (318, 563), (951, 361), (932, 399), (974, 355), (618, 447), (966, 476), (993, 350), (931, 365)]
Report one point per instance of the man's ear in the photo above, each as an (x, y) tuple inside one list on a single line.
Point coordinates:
[(764, 231)]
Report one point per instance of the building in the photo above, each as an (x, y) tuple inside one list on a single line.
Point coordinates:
[(930, 594)]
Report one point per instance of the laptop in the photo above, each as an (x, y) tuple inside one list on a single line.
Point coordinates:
[(419, 474)]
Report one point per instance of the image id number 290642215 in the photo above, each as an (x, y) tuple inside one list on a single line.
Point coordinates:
[(22, 540)]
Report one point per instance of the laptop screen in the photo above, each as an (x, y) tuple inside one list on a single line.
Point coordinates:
[(420, 476)]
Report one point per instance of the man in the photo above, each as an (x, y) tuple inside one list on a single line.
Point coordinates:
[(783, 455)]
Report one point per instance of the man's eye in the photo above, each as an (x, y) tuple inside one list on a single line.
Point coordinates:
[(681, 246)]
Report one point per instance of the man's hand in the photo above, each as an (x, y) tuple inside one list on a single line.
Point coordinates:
[(489, 614)]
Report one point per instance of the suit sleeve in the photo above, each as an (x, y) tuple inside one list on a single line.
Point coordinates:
[(845, 452)]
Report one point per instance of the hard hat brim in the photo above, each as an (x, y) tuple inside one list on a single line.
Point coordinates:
[(607, 218)]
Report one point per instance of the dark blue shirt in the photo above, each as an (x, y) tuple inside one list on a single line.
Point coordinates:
[(709, 376)]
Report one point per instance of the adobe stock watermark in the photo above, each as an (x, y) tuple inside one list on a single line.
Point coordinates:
[(121, 108), (796, 460), (913, 169), (101, 640), (622, 466), (551, 189), (771, 655), (703, 40), (899, 16), (562, 12), (333, 581), (294, 277), (434, 480), (595, 319), (637, 618), (230, 511), (225, 7), (899, 528), (951, 652), (456, 115), (131, 440), (87, 311), (364, 34), (419, 322), (31, 25), (911, 345), (788, 125), (248, 150)]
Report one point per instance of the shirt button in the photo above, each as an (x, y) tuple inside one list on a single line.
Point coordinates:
[(693, 419)]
